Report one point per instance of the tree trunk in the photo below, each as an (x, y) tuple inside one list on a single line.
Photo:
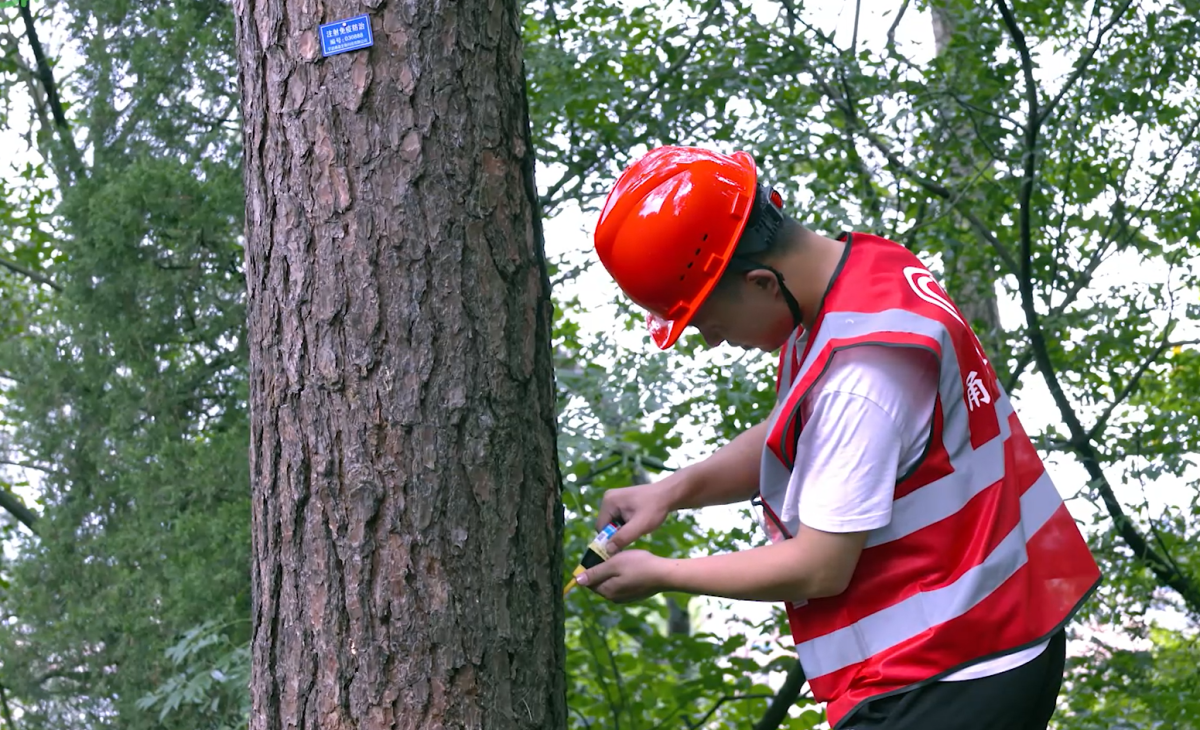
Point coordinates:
[(407, 519), (968, 264)]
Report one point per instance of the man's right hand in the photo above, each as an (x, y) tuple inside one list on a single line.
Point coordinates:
[(729, 475), (643, 508)]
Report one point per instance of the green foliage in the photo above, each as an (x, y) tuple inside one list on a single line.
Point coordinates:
[(128, 382), (625, 665), (930, 150), (1124, 689), (213, 674)]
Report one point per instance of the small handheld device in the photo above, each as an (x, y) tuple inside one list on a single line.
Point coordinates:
[(596, 553)]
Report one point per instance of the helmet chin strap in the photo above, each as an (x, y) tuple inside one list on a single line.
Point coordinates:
[(745, 264), (793, 305)]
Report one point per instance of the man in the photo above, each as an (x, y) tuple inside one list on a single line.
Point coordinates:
[(926, 561)]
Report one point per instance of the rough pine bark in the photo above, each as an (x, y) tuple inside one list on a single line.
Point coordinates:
[(406, 514)]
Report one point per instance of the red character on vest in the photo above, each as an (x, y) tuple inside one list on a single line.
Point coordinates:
[(926, 560)]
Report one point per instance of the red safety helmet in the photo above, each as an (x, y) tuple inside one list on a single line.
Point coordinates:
[(670, 227)]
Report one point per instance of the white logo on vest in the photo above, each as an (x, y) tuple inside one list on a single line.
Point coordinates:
[(923, 284), (977, 392)]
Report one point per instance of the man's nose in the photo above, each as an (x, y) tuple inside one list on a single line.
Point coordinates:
[(711, 339)]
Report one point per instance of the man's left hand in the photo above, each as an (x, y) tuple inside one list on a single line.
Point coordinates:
[(628, 576)]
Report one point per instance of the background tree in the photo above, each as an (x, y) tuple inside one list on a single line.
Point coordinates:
[(406, 507), (125, 367)]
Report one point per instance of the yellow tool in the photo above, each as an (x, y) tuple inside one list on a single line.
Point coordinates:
[(596, 552)]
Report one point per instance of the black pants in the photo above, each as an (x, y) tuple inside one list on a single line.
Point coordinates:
[(1022, 698)]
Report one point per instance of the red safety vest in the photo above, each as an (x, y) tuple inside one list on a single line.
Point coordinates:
[(981, 557)]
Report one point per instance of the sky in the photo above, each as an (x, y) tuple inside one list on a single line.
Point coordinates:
[(569, 233)]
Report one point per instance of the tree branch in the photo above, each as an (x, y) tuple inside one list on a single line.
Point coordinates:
[(590, 637), (588, 478), (1085, 277), (46, 75), (784, 699), (1120, 222), (891, 34), (8, 718), (953, 204), (655, 464), (1081, 281), (1166, 574), (30, 78), (943, 192), (985, 112), (866, 178), (79, 675), (854, 123), (1082, 64), (547, 201), (710, 13), (15, 507), (30, 274), (1131, 386), (1080, 441), (1162, 544), (44, 72), (1030, 155), (1025, 228), (27, 465), (583, 718), (854, 35), (637, 102), (723, 700)]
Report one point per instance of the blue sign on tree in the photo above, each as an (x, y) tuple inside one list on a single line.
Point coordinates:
[(350, 34)]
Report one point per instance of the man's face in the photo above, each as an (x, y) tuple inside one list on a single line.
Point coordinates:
[(747, 311)]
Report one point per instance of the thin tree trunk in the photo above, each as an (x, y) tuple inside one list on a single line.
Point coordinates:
[(406, 509), (969, 266)]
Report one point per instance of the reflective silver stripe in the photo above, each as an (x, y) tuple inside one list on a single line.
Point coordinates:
[(795, 342), (773, 482), (885, 629), (974, 471), (843, 325), (773, 475)]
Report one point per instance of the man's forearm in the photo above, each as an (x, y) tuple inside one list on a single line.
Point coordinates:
[(814, 564), (777, 572), (729, 475)]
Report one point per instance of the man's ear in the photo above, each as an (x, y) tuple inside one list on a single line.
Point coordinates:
[(762, 279)]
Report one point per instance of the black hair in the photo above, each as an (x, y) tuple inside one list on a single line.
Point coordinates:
[(768, 233)]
